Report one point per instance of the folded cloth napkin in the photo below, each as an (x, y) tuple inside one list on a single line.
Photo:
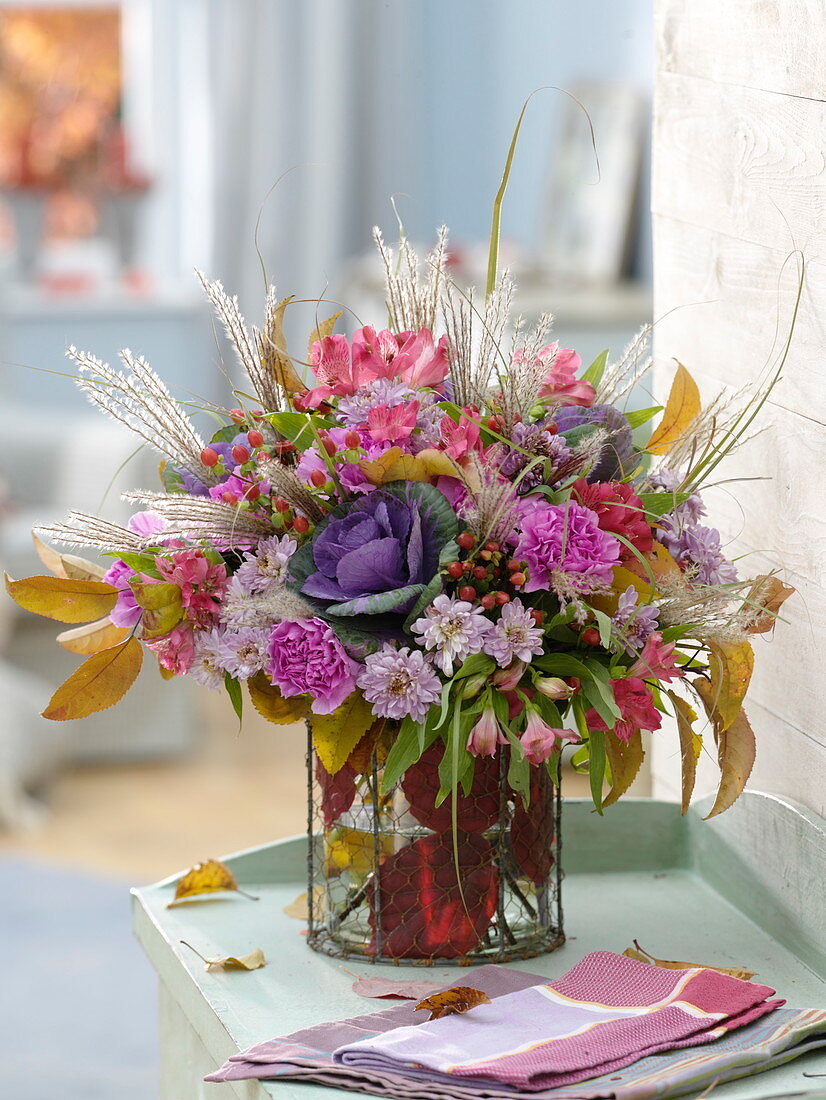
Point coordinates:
[(307, 1055), (605, 1013)]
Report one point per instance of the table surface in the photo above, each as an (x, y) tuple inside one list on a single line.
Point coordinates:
[(681, 887)]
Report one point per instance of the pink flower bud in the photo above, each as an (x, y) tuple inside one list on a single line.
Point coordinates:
[(506, 679), (552, 687), (485, 735), (540, 740)]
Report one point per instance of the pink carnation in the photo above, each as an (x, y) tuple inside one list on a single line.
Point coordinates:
[(565, 540), (305, 657), (637, 710)]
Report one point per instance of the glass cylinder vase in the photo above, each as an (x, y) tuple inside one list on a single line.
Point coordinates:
[(391, 880)]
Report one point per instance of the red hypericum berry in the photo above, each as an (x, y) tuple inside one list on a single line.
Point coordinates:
[(318, 478), (240, 454), (468, 566), (537, 616), (467, 592), (209, 457), (257, 414), (280, 505), (492, 546), (229, 498), (238, 416), (456, 569), (501, 598), (352, 440), (514, 566), (253, 493), (285, 447), (493, 424), (301, 524), (590, 636), (480, 573), (298, 403), (552, 428), (466, 540), (518, 579), (485, 555), (254, 437), (329, 446), (488, 601)]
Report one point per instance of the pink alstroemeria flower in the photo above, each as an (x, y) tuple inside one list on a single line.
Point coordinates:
[(486, 735), (657, 660), (412, 357), (389, 424), (561, 381), (459, 439), (176, 650), (202, 583), (541, 740), (637, 710)]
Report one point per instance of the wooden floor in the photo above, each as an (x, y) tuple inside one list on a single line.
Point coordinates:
[(142, 822)]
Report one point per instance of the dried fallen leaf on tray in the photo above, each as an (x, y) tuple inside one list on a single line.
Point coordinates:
[(253, 961), (462, 998), (210, 877), (397, 990), (298, 908), (641, 955)]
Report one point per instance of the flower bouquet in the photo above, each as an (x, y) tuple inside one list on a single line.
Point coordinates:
[(455, 554)]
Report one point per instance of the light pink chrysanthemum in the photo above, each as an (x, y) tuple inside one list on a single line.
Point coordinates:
[(398, 683), (244, 652), (454, 629), (515, 636), (266, 568), (207, 664)]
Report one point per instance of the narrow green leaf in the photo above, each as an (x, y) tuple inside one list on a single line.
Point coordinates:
[(596, 770), (596, 370), (235, 695), (406, 750), (641, 416), (605, 627), (657, 504)]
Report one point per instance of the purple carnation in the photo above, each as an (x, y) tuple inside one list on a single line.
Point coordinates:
[(515, 637), (305, 656), (398, 683), (565, 539)]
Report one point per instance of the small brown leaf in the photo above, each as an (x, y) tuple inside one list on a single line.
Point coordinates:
[(641, 955), (462, 998), (210, 877), (736, 752), (62, 598), (765, 598), (271, 704), (395, 990), (273, 351), (395, 465), (730, 668), (99, 683), (335, 735), (161, 604), (253, 961), (298, 909), (93, 637)]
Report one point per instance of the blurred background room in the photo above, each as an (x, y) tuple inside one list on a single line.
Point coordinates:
[(139, 141)]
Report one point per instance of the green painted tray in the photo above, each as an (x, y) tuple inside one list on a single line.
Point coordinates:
[(745, 889)]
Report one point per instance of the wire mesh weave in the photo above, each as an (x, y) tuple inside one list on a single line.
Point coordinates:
[(388, 881)]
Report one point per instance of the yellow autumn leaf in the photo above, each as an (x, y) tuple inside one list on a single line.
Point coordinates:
[(93, 637), (322, 329), (682, 407), (395, 465), (691, 744), (67, 565), (336, 735), (625, 760), (730, 667), (272, 347), (209, 877), (353, 851), (61, 598), (271, 704), (100, 682), (622, 581), (736, 751), (641, 955), (252, 961), (161, 605)]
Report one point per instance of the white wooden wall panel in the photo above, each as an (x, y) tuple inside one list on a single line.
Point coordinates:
[(739, 184)]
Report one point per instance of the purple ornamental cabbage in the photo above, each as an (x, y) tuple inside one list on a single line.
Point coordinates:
[(616, 457), (377, 554)]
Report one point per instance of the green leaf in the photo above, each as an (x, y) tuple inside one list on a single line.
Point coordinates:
[(519, 769), (641, 416), (475, 665), (548, 710), (574, 436), (605, 627), (563, 664), (235, 695), (592, 692), (596, 768), (226, 434), (411, 741), (596, 370), (171, 478), (657, 504), (298, 427), (141, 563)]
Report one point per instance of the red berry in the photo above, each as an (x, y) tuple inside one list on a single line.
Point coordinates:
[(492, 546), (255, 438), (285, 447), (518, 579), (301, 524), (467, 592), (253, 493), (590, 636), (488, 601), (229, 498), (352, 440), (209, 457), (329, 446), (551, 428), (480, 573), (298, 403), (485, 555), (514, 566), (237, 415), (493, 423), (456, 569), (240, 454), (502, 598), (280, 505), (258, 414), (537, 616), (318, 478), (466, 540)]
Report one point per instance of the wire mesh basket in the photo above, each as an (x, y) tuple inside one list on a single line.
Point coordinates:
[(390, 879)]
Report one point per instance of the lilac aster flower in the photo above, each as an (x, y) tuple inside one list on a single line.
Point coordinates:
[(699, 546), (539, 442), (565, 548), (266, 568), (244, 652), (207, 664), (398, 683), (692, 508), (305, 657), (515, 636), (453, 628), (634, 621)]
